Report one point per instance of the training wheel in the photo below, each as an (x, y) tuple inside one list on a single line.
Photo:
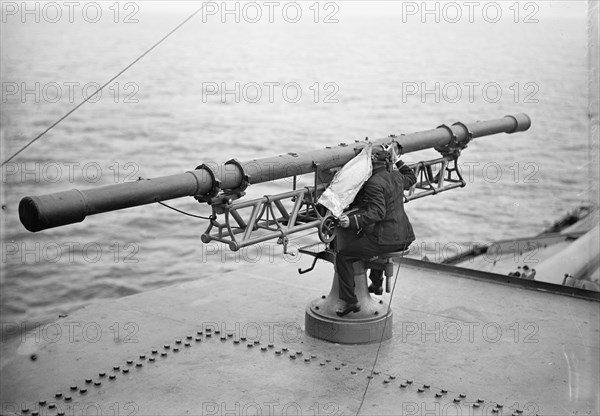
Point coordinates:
[(328, 229)]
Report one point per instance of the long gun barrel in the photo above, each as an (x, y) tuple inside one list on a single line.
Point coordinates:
[(53, 210)]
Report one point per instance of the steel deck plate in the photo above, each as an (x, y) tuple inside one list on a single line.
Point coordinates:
[(536, 352)]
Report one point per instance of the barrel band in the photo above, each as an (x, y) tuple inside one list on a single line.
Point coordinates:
[(216, 184), (245, 178), (453, 147)]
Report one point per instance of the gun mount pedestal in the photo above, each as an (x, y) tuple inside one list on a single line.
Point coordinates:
[(373, 322), (361, 327)]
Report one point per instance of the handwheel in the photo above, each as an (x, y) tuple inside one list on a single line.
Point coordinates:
[(328, 229)]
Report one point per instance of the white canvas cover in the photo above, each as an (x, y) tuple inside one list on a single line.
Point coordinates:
[(347, 182)]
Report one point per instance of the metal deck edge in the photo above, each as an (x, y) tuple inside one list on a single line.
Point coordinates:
[(501, 279)]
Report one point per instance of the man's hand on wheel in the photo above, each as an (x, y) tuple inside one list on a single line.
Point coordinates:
[(344, 221)]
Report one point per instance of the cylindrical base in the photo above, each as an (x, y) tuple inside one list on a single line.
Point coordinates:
[(365, 326)]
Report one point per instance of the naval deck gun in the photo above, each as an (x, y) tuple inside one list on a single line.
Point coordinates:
[(238, 222), (468, 342)]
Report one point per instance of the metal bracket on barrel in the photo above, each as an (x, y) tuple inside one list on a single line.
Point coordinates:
[(216, 186), (240, 190), (453, 148)]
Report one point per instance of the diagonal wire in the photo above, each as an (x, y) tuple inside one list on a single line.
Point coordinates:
[(362, 400), (102, 87)]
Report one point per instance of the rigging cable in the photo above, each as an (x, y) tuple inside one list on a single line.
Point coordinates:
[(102, 87), (362, 400), (183, 212)]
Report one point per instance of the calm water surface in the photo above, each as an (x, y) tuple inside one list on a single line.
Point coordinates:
[(367, 63)]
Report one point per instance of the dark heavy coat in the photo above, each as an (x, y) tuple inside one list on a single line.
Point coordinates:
[(380, 205)]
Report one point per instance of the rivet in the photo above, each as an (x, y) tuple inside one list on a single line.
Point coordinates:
[(403, 385), (163, 354), (284, 349), (243, 338), (236, 341), (60, 413), (25, 409), (313, 356), (392, 377), (292, 356), (35, 413), (369, 376), (187, 344), (359, 368), (151, 359), (263, 348), (271, 345), (143, 357), (177, 341), (499, 406), (52, 405), (189, 337), (250, 345), (321, 363), (217, 331), (199, 333), (125, 370), (138, 365), (386, 381), (256, 342), (73, 387), (58, 395), (198, 339), (327, 361), (167, 346), (129, 362), (208, 330), (43, 402), (300, 353), (456, 400), (89, 380), (223, 338), (98, 383), (154, 351), (352, 372), (409, 381), (208, 335), (476, 405), (102, 374), (462, 395), (376, 373), (337, 368), (112, 377), (438, 395), (82, 391), (444, 391), (175, 349), (278, 352), (518, 411), (480, 400), (420, 390), (307, 360), (344, 364), (230, 335), (494, 410), (426, 386)]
